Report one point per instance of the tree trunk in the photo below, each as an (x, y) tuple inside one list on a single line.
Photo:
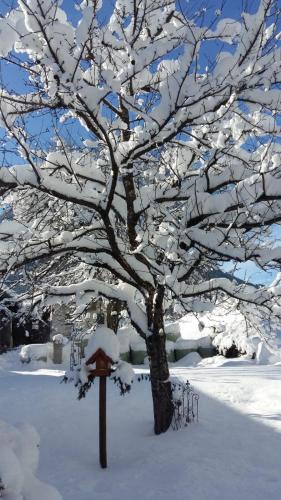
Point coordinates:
[(160, 387)]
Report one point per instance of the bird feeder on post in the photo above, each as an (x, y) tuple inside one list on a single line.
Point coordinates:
[(102, 370)]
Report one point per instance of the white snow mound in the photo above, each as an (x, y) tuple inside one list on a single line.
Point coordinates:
[(191, 359), (265, 355), (35, 352), (19, 456), (124, 335), (105, 339), (125, 372)]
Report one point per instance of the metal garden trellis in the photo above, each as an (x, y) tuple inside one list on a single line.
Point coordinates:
[(186, 405)]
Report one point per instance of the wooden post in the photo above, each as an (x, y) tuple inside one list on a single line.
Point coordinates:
[(102, 423), (102, 370)]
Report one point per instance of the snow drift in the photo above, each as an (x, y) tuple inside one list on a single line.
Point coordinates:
[(19, 457)]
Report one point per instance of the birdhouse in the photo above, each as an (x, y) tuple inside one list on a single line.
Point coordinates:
[(103, 364)]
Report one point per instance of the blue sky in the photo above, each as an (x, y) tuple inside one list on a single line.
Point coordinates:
[(231, 8), (250, 272)]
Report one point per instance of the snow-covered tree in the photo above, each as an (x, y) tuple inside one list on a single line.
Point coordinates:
[(124, 154)]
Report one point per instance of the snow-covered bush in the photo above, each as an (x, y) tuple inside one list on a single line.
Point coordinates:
[(123, 375), (226, 329), (43, 352), (132, 346), (172, 331), (124, 336), (187, 344), (19, 456), (138, 349), (170, 350), (35, 352), (184, 347), (233, 345), (233, 334)]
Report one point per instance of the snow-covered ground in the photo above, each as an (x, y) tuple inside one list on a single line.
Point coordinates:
[(234, 450)]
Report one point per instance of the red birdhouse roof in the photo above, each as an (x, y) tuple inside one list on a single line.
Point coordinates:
[(99, 355)]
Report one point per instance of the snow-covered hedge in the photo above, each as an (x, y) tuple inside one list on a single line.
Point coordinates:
[(19, 456), (43, 352), (132, 346), (124, 335), (35, 352), (225, 329), (233, 335), (172, 330), (265, 355), (186, 344), (191, 359), (138, 344)]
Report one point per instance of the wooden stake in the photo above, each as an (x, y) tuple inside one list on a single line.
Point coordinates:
[(102, 423)]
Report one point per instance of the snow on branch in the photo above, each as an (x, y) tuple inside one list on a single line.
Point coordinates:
[(85, 291), (132, 170)]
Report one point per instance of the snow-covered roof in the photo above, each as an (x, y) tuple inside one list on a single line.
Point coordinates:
[(103, 338)]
